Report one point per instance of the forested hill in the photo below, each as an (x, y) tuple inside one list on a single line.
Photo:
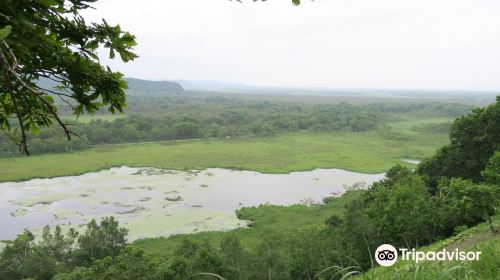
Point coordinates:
[(135, 86), (145, 87)]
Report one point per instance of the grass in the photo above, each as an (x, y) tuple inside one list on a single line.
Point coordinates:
[(369, 152), (266, 219), (477, 238), (409, 123)]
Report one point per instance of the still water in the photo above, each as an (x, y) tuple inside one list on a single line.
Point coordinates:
[(154, 202)]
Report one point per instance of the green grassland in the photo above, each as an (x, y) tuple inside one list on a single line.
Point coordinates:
[(370, 152), (266, 219)]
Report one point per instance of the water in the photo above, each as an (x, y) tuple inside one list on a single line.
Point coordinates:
[(154, 202), (412, 161)]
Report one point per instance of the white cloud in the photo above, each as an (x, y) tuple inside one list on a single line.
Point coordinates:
[(448, 44)]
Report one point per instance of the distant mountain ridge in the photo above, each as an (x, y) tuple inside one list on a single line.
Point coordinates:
[(135, 86), (159, 87), (138, 86)]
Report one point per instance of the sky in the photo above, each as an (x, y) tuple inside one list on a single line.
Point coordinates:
[(418, 44)]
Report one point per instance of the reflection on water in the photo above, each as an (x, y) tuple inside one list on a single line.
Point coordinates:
[(154, 202)]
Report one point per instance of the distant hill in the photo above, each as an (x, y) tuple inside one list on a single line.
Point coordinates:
[(149, 87), (138, 86), (135, 86)]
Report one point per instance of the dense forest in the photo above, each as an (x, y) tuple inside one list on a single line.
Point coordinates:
[(406, 209), (164, 114)]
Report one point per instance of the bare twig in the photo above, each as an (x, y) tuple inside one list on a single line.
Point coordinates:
[(14, 59), (49, 106), (52, 76), (67, 102), (53, 92), (4, 16)]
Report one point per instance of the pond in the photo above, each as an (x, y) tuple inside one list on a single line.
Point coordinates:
[(154, 202)]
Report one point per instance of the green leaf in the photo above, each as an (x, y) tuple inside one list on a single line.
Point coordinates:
[(35, 130), (4, 32), (48, 3)]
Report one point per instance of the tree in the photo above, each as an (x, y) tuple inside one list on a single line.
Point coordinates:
[(207, 260), (23, 258), (232, 254), (59, 253), (50, 39), (492, 172), (485, 201), (474, 138), (334, 221), (471, 203), (58, 246), (100, 240), (132, 263)]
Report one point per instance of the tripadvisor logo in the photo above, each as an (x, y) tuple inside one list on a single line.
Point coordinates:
[(387, 255)]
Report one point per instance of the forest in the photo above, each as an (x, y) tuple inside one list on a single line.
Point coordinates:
[(407, 208), (168, 115)]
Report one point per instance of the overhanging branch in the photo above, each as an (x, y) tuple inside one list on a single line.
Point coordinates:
[(10, 70)]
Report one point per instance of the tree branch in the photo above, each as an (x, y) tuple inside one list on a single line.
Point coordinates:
[(23, 144), (54, 92), (39, 96)]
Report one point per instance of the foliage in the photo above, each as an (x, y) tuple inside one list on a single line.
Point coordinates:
[(50, 39), (100, 240), (491, 174), (22, 259), (473, 141), (156, 113), (132, 263), (189, 118), (61, 253), (487, 267), (402, 211)]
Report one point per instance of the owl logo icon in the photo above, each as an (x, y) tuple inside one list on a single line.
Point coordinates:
[(386, 255)]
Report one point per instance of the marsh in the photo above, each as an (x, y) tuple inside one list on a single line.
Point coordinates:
[(153, 202)]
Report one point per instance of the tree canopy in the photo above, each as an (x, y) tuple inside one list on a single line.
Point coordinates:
[(474, 139), (51, 39)]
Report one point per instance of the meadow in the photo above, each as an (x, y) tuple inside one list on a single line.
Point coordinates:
[(368, 152)]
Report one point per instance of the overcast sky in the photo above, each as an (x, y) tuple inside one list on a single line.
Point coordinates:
[(421, 44)]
